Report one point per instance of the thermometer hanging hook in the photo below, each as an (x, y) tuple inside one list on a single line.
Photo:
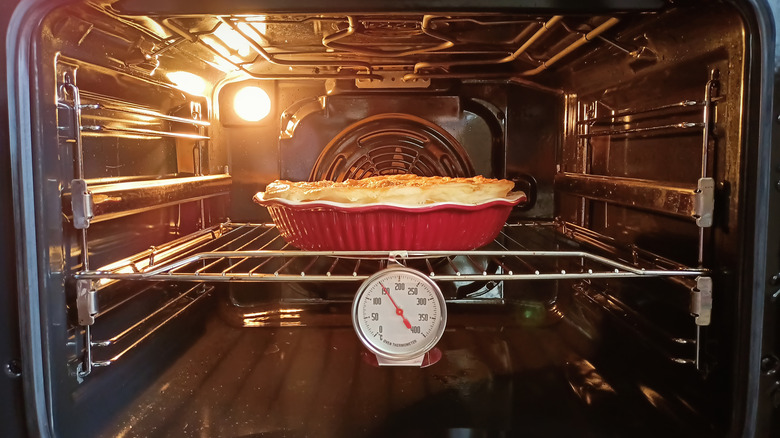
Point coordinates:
[(395, 255)]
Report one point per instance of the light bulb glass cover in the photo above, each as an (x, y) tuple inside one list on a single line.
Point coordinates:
[(252, 104)]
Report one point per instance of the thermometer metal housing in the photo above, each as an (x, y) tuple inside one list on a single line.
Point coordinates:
[(399, 314)]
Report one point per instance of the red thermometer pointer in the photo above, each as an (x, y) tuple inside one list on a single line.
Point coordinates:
[(398, 310)]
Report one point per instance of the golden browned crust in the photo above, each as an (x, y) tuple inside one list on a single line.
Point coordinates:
[(394, 189)]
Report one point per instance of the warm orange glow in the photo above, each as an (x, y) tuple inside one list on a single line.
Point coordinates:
[(188, 82), (252, 104), (234, 40)]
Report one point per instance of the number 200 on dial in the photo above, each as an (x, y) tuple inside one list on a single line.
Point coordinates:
[(399, 313)]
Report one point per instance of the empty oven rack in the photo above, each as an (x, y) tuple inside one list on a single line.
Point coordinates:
[(245, 252)]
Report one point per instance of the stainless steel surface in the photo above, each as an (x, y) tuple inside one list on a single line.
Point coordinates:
[(606, 129), (704, 209), (612, 245), (645, 131), (214, 261), (128, 132), (710, 92), (83, 193), (395, 80), (81, 204), (701, 308), (621, 114), (635, 193), (86, 302), (701, 301), (120, 199), (125, 108)]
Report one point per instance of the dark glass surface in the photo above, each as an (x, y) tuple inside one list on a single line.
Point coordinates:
[(499, 375)]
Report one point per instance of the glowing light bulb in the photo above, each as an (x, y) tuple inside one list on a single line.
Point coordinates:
[(252, 104)]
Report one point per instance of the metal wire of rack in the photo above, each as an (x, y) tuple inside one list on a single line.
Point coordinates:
[(245, 252), (248, 252)]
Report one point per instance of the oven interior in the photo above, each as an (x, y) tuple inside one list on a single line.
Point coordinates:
[(626, 126)]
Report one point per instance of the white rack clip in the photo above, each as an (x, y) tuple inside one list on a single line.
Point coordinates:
[(86, 302), (701, 301), (704, 202), (81, 204)]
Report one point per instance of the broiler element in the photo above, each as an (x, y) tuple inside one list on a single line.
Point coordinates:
[(358, 46)]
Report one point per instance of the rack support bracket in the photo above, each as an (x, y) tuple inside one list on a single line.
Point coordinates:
[(701, 301), (704, 202), (81, 204), (86, 302)]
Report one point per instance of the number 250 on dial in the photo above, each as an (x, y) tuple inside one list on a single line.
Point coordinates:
[(399, 314)]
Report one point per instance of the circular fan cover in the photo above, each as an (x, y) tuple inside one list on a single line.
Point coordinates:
[(390, 144)]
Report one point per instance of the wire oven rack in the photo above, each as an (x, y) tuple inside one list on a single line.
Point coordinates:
[(247, 252)]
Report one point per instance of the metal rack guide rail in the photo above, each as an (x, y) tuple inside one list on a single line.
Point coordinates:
[(247, 252)]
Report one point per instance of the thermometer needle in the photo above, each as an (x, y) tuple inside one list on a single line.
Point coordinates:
[(398, 310)]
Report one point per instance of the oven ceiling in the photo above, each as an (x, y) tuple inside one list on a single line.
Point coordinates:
[(369, 45), (250, 7)]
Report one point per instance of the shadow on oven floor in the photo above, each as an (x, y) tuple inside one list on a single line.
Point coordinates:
[(317, 382)]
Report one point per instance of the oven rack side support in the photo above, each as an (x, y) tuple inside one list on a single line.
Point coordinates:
[(691, 200), (82, 207)]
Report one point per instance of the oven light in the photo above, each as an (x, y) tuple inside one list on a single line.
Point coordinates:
[(188, 82), (252, 104)]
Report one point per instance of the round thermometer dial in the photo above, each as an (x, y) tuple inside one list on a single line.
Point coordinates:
[(399, 314)]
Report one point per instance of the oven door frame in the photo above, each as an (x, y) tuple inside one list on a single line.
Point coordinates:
[(756, 385)]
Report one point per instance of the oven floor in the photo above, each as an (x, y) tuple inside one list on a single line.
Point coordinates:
[(317, 382)]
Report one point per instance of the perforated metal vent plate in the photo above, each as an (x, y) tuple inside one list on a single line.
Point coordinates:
[(389, 144)]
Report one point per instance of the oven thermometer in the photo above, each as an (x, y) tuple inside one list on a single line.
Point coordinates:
[(399, 314)]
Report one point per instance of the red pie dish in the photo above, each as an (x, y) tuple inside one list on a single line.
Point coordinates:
[(333, 226)]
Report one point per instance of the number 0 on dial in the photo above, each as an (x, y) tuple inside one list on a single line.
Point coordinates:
[(399, 314)]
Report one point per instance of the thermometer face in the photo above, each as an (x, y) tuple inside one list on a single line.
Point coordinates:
[(399, 313)]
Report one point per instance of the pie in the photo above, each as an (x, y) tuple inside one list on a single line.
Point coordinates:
[(404, 189)]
